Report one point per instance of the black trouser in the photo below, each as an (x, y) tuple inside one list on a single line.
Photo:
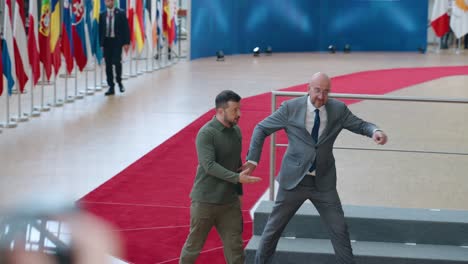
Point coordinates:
[(113, 56)]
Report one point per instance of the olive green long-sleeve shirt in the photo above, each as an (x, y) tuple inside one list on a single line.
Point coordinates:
[(219, 157)]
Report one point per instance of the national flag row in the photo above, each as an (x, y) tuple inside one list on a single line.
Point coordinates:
[(74, 34), (441, 22)]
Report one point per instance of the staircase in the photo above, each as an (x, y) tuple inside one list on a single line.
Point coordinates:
[(379, 235)]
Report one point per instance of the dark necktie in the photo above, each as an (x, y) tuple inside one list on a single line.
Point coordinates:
[(109, 24), (315, 132)]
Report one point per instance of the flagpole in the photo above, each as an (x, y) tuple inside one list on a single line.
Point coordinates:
[(33, 112), (56, 102), (66, 99), (103, 84), (152, 60), (80, 94), (8, 123), (136, 65), (43, 108), (96, 86), (458, 50), (147, 55), (89, 91), (20, 117), (125, 76), (131, 64)]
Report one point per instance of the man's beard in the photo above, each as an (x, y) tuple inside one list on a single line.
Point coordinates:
[(229, 122)]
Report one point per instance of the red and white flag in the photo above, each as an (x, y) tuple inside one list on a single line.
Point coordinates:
[(440, 20), (20, 44), (33, 49)]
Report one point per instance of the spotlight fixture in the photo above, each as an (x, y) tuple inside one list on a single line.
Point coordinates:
[(332, 49), (347, 48), (256, 51), (219, 55), (268, 51)]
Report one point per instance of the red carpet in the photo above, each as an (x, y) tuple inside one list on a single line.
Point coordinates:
[(148, 202)]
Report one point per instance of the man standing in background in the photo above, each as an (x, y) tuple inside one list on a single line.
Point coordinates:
[(114, 34)]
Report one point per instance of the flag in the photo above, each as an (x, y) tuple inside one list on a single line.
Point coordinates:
[(20, 44), (88, 27), (1, 67), (138, 25), (168, 21), (148, 26), (459, 18), (78, 32), (44, 38), (130, 15), (33, 51), (154, 26), (94, 29), (166, 18), (440, 19), (174, 10), (159, 29), (55, 39), (7, 50), (67, 44), (56, 58), (54, 24), (123, 5)]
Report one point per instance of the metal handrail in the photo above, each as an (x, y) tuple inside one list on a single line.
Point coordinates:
[(274, 94)]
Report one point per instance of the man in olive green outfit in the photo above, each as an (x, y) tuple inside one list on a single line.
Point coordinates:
[(218, 184)]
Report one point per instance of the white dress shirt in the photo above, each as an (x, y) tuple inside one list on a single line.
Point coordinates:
[(110, 22), (310, 117)]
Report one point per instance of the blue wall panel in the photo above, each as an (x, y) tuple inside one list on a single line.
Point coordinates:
[(237, 26), (376, 25)]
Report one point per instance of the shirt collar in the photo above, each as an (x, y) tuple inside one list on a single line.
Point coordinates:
[(311, 108), (110, 10), (218, 125)]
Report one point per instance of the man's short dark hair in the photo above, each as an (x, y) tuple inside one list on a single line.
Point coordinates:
[(224, 97)]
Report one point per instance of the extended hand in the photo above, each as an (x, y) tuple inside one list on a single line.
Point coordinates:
[(248, 166), (380, 137), (244, 177)]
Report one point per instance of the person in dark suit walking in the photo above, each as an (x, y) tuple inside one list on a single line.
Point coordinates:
[(114, 33), (308, 170)]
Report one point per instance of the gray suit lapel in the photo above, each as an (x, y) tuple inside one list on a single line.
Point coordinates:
[(302, 114), (330, 118)]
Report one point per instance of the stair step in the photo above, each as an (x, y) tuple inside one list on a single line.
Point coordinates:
[(318, 251), (384, 224)]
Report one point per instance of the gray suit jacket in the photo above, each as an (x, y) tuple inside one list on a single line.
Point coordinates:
[(302, 149)]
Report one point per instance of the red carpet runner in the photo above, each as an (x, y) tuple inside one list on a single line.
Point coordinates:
[(148, 201)]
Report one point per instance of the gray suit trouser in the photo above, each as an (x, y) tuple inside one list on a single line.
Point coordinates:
[(287, 202)]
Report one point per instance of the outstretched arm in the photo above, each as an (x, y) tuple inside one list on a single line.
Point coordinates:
[(276, 121)]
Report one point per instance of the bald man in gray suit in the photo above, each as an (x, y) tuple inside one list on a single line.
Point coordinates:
[(308, 171)]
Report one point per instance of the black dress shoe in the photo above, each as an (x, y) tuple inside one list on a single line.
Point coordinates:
[(121, 88), (110, 92)]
